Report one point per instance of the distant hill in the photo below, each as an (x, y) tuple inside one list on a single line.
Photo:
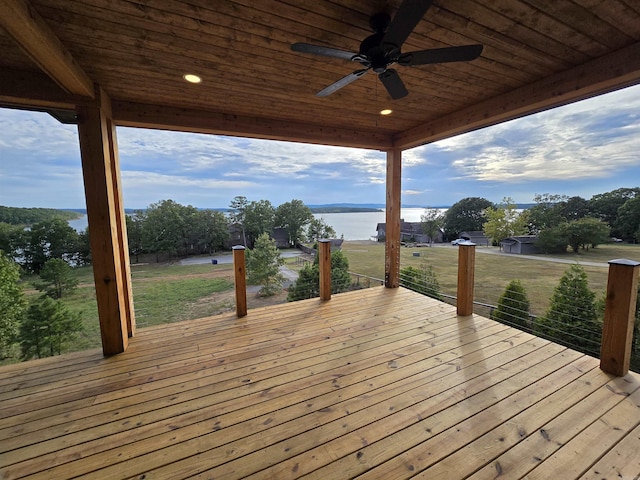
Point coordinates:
[(29, 216)]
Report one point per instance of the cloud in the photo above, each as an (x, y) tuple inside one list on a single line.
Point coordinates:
[(412, 192)]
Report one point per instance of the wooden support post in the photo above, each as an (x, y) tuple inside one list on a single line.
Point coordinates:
[(107, 229), (619, 316), (466, 272), (392, 233), (240, 280), (324, 259)]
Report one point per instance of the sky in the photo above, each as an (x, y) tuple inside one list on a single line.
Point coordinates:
[(581, 149)]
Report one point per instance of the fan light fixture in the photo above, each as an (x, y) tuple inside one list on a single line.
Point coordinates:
[(386, 111), (191, 78)]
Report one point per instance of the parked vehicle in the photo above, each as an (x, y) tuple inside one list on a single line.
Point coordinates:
[(457, 241)]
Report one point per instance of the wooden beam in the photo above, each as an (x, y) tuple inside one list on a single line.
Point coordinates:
[(240, 280), (29, 89), (466, 274), (392, 238), (106, 225), (37, 39), (198, 121), (611, 72)]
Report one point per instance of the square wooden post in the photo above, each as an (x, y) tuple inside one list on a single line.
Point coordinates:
[(392, 233), (619, 316), (324, 260), (466, 273), (107, 228), (240, 277)]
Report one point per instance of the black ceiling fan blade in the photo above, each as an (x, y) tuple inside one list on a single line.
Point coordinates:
[(393, 83), (343, 82), (324, 51), (405, 20), (463, 53)]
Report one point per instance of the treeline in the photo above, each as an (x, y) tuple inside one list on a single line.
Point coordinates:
[(29, 216), (558, 220)]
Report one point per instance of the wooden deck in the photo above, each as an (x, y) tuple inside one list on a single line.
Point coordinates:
[(377, 383)]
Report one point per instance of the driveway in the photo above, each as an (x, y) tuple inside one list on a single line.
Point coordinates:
[(227, 257)]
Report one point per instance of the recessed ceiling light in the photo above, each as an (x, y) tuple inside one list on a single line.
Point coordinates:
[(386, 111), (191, 78)]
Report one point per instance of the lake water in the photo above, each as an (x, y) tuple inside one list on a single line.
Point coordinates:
[(354, 226)]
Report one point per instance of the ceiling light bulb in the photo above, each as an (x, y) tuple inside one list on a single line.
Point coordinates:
[(386, 111), (191, 78)]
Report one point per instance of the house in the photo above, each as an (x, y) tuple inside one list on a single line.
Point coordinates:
[(267, 394), (522, 244), (409, 232), (477, 237)]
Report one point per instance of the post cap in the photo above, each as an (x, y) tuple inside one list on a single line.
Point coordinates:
[(624, 261), (238, 247)]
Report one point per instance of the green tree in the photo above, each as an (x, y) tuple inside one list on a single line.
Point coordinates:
[(259, 218), (628, 221), (238, 207), (431, 222), (12, 305), (466, 215), (293, 216), (12, 240), (308, 283), (49, 328), (504, 221), (49, 239), (421, 279), (135, 234), (605, 206), (318, 229), (168, 228), (586, 232), (210, 231), (553, 239), (263, 266), (571, 318), (513, 307), (575, 208), (56, 278), (546, 213)]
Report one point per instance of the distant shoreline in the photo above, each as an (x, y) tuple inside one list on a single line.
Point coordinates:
[(344, 209)]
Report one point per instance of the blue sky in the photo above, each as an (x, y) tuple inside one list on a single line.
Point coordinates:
[(581, 149)]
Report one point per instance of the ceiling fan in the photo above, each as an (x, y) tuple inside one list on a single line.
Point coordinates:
[(383, 49)]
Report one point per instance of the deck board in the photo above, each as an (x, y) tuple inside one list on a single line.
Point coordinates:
[(377, 383)]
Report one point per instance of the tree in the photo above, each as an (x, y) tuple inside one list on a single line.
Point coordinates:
[(605, 206), (513, 307), (586, 232), (263, 266), (293, 216), (135, 233), (12, 305), (168, 227), (57, 278), (259, 218), (49, 239), (12, 240), (237, 215), (628, 221), (48, 329), (553, 240), (308, 283), (431, 221), (547, 213), (571, 318), (575, 208), (422, 280), (466, 215), (318, 229), (504, 221), (210, 230)]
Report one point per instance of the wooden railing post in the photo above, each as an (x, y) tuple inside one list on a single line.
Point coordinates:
[(619, 316), (324, 260), (466, 271), (392, 218), (240, 280)]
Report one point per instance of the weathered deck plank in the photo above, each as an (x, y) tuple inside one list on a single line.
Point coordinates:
[(377, 383)]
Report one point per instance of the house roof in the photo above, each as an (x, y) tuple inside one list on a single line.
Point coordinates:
[(521, 239), (537, 54)]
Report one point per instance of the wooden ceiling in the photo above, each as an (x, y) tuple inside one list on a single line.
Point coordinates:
[(537, 54)]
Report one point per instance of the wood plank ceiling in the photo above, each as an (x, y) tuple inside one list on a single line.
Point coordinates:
[(537, 54)]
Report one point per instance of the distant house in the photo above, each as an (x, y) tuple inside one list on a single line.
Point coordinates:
[(281, 237), (409, 232), (479, 238), (523, 244)]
